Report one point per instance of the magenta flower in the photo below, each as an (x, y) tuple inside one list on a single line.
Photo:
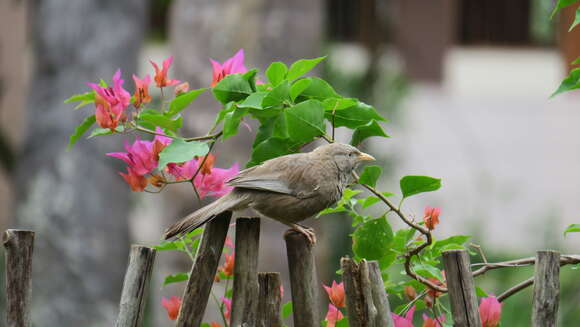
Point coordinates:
[(233, 65), (141, 91), (333, 315), (172, 306), (406, 321), (228, 304), (111, 102), (161, 74), (335, 293), (490, 311), (212, 183), (136, 182)]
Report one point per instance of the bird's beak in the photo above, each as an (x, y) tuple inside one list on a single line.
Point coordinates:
[(365, 157)]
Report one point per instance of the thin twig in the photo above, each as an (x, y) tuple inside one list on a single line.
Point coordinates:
[(513, 290), (480, 251), (564, 260), (414, 251)]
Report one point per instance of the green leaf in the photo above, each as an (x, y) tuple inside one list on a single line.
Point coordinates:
[(105, 131), (182, 101), (84, 98), (574, 228), (268, 149), (356, 116), (232, 122), (411, 185), (571, 82), (298, 87), (362, 133), (162, 121), (305, 121), (276, 73), (456, 242), (386, 261), (576, 61), (234, 87), (480, 292), (168, 245), (370, 175), (277, 96), (254, 101), (342, 322), (428, 271), (333, 104), (181, 151), (576, 20), (205, 324), (80, 130), (561, 4), (372, 239), (286, 309), (302, 67), (369, 201), (319, 89), (175, 278)]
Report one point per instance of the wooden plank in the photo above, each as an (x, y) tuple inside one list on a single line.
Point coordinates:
[(269, 300), (546, 289), (359, 295), (380, 299), (19, 245), (303, 281), (135, 285), (461, 289), (246, 288), (203, 271)]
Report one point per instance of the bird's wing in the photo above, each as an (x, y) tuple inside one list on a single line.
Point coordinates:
[(274, 175)]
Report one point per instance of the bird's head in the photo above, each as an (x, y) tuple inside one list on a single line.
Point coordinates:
[(346, 157)]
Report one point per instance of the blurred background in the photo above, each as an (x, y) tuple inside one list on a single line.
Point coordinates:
[(464, 83)]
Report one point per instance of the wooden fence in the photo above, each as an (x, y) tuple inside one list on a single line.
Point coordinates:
[(256, 295)]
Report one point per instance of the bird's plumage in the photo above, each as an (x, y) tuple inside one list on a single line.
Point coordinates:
[(289, 188)]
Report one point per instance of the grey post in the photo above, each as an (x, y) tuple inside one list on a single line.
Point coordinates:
[(303, 281), (137, 277), (546, 289), (19, 245), (380, 299), (245, 289), (461, 289), (203, 272), (269, 301), (359, 295)]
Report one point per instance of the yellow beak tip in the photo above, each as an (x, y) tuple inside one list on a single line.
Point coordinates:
[(366, 157)]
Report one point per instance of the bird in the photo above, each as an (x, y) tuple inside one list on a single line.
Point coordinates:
[(289, 188)]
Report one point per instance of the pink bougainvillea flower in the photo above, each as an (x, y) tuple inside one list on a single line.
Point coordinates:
[(228, 266), (431, 322), (431, 217), (281, 291), (111, 102), (229, 242), (233, 65), (141, 91), (137, 182), (161, 79), (490, 311), (215, 324), (172, 306), (139, 156), (228, 303), (214, 184), (406, 321), (181, 88), (333, 316), (335, 293)]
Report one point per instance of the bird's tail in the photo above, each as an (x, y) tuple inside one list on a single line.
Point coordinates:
[(230, 201)]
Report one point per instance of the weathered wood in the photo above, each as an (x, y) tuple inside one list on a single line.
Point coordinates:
[(461, 289), (269, 300), (246, 288), (135, 285), (303, 280), (546, 289), (19, 245), (359, 295), (203, 271), (380, 298)]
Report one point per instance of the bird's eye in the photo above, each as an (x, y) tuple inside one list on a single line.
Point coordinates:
[(351, 154)]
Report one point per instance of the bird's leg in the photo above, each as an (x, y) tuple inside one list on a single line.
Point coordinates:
[(306, 231)]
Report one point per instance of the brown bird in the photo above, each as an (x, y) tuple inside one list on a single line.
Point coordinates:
[(288, 189)]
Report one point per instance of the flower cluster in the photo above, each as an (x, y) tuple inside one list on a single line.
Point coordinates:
[(337, 300)]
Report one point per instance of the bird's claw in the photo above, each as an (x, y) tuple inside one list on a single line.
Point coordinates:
[(306, 231)]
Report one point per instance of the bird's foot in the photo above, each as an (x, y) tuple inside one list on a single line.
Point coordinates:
[(306, 231)]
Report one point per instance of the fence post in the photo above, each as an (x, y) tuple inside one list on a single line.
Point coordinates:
[(203, 271), (303, 281), (269, 300), (546, 289), (133, 297), (19, 245), (380, 299), (359, 296), (461, 289), (246, 288)]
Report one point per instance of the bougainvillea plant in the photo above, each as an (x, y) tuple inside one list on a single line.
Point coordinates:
[(292, 110)]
